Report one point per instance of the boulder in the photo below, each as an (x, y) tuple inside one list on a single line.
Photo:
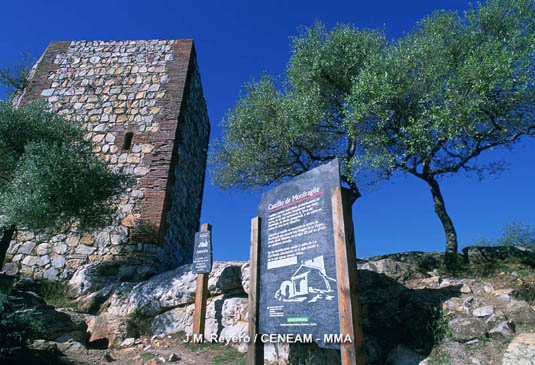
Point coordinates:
[(521, 314), (107, 330), (521, 351), (479, 255), (395, 270), (483, 311), (465, 329), (224, 317), (505, 330), (10, 268), (93, 277), (51, 324), (422, 261), (175, 288)]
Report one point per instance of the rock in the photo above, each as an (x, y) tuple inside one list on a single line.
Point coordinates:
[(58, 262), (504, 330), (27, 248), (488, 288), (434, 280), (128, 342), (50, 274), (108, 357), (72, 347), (173, 357), (91, 303), (234, 310), (174, 288), (521, 351), (236, 331), (245, 271), (505, 298), (521, 314), (483, 311), (465, 329), (30, 260), (107, 327), (465, 289), (277, 353), (93, 277), (43, 345), (10, 269), (482, 255), (172, 321), (402, 355), (43, 260), (421, 261), (508, 291), (396, 270), (50, 323)]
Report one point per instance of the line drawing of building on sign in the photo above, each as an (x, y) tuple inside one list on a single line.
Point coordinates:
[(309, 281)]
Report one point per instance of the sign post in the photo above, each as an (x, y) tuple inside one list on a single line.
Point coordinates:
[(255, 348), (346, 275), (303, 266), (202, 265)]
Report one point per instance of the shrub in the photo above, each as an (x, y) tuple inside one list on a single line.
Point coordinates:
[(55, 293), (16, 329), (514, 234)]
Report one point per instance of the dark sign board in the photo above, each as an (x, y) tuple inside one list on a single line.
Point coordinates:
[(297, 264), (202, 253)]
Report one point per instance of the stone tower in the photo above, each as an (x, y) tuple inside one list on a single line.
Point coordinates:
[(142, 105)]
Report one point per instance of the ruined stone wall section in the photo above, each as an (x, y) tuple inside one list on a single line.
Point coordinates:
[(111, 89)]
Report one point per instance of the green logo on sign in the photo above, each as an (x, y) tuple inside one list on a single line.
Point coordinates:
[(296, 319)]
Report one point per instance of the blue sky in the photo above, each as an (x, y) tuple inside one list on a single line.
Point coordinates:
[(237, 41)]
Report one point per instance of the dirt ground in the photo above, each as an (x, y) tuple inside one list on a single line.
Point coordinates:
[(172, 349)]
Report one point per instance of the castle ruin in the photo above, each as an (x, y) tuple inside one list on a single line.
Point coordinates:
[(142, 105)]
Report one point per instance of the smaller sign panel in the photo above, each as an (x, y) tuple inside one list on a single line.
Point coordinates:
[(202, 254)]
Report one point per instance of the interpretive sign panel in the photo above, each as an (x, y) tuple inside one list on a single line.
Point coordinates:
[(202, 253), (297, 263)]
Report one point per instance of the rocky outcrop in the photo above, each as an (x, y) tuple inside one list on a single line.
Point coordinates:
[(411, 312), (521, 351), (489, 254)]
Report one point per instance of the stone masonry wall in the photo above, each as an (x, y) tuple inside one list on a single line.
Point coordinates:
[(145, 91)]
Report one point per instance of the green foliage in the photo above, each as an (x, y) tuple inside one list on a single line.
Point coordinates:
[(49, 178), (517, 234), (16, 329), (513, 234), (428, 104), (453, 88), (147, 356), (230, 356), (16, 78), (271, 135), (525, 292), (55, 293)]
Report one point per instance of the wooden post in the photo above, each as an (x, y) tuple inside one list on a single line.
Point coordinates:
[(201, 294), (255, 348), (346, 275)]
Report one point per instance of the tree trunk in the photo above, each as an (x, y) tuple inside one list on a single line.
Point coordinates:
[(4, 242), (451, 236)]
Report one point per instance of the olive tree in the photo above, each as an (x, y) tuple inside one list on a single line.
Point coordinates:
[(455, 87), (49, 178), (428, 104), (273, 134)]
